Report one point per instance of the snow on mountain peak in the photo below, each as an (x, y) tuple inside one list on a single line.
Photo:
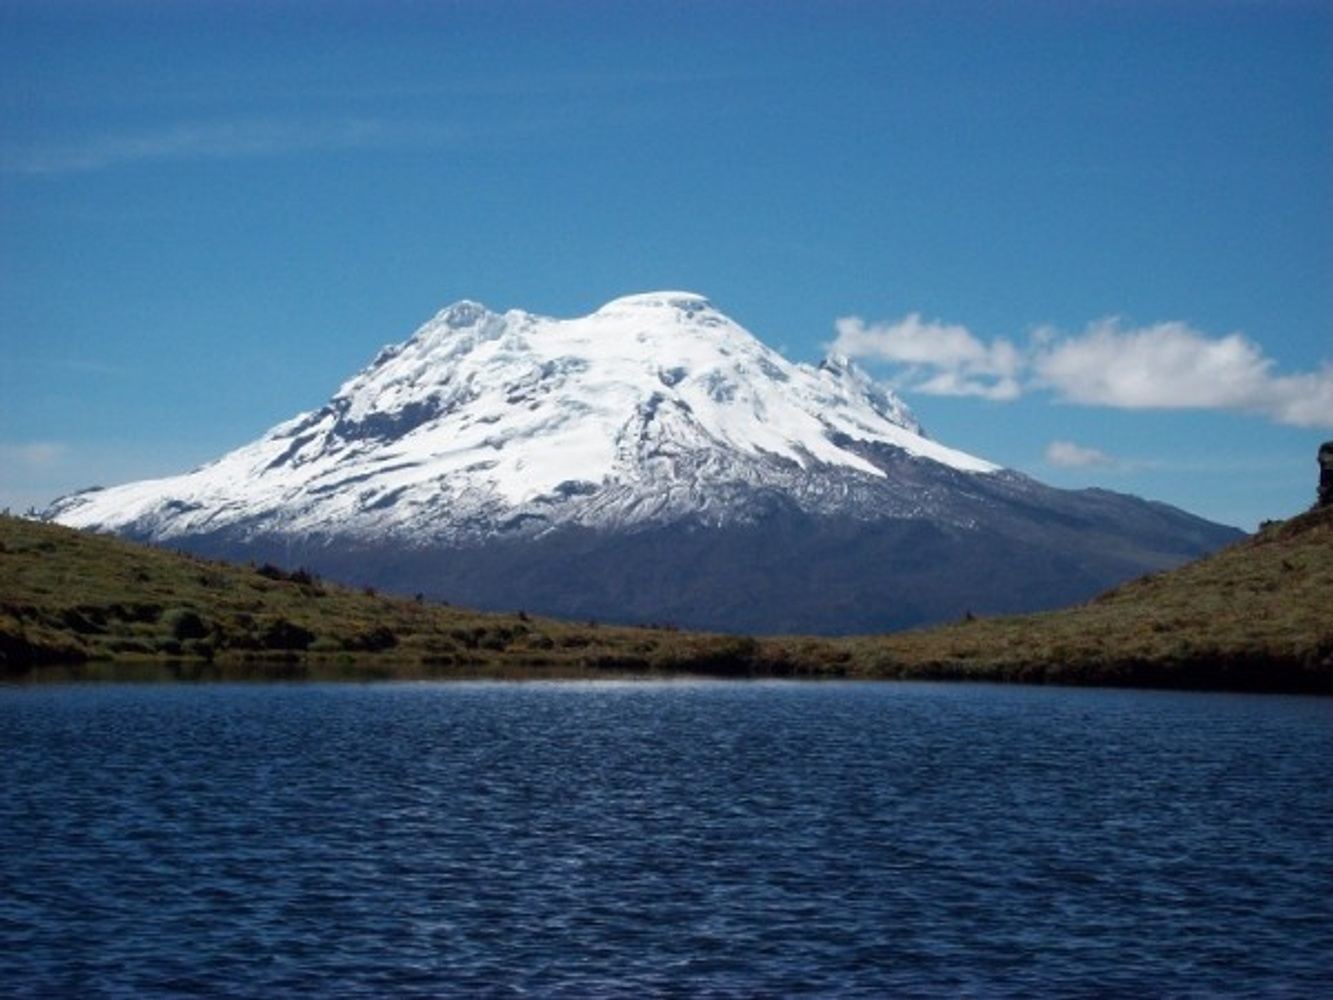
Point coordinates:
[(461, 314), (685, 302), (654, 406)]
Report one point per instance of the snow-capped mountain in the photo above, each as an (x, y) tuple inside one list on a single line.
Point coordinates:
[(466, 459), (654, 407)]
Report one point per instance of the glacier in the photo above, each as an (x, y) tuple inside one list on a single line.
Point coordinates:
[(654, 407)]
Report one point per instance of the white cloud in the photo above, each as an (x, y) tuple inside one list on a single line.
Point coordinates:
[(224, 139), (955, 384), (943, 359), (1303, 400), (1163, 366), (35, 456), (1172, 366), (1068, 455)]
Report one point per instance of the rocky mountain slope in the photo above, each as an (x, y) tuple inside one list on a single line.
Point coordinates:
[(652, 461)]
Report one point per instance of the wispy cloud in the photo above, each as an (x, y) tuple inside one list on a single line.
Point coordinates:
[(220, 140), (1068, 455), (33, 456), (1162, 366), (28, 470), (91, 366)]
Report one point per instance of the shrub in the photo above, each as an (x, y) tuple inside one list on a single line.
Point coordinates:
[(726, 654), (282, 634), (468, 637), (76, 620), (128, 646), (494, 640), (184, 623), (372, 641), (202, 648), (135, 612), (242, 640)]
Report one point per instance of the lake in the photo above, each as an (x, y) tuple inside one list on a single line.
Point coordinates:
[(645, 838)]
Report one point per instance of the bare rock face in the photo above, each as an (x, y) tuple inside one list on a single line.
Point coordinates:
[(1325, 498)]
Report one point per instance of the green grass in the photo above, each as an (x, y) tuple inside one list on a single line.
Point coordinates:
[(1258, 615), (68, 596)]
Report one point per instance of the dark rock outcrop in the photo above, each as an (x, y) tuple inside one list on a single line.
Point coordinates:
[(1325, 498)]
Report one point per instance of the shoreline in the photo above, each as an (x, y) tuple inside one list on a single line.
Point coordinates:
[(1255, 678)]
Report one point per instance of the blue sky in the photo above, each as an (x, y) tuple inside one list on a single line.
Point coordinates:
[(1090, 241)]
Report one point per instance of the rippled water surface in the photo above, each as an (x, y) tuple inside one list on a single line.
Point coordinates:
[(679, 838)]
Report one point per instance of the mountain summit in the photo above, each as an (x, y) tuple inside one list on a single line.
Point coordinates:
[(650, 460), (654, 407)]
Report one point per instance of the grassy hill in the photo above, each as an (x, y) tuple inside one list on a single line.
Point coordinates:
[(68, 596), (1258, 615)]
